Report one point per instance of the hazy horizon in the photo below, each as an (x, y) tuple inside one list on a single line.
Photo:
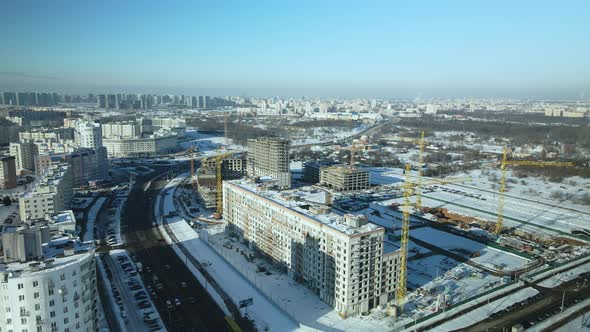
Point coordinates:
[(385, 50)]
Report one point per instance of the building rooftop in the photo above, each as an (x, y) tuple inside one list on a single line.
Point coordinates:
[(63, 249), (51, 177), (305, 201)]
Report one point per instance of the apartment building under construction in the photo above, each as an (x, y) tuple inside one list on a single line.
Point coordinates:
[(342, 259), (269, 157), (344, 178), (232, 167)]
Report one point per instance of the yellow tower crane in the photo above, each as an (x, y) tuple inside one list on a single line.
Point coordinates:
[(218, 164), (420, 166), (405, 237), (503, 165)]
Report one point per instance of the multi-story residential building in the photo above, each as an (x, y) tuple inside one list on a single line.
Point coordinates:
[(50, 193), (47, 281), (121, 130), (25, 154), (89, 135), (9, 131), (269, 156), (7, 172), (37, 118), (345, 178), (342, 259), (52, 134), (140, 146)]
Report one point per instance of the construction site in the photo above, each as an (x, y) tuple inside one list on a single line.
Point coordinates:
[(454, 239)]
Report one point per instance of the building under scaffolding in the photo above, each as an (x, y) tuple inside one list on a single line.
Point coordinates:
[(232, 167)]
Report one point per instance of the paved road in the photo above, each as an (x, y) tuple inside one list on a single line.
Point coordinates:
[(134, 316), (536, 312), (144, 241)]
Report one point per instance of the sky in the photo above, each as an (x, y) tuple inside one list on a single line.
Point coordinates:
[(528, 49)]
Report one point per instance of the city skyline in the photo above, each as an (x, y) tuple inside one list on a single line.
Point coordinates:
[(528, 50)]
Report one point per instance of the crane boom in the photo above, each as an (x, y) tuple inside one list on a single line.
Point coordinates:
[(503, 165)]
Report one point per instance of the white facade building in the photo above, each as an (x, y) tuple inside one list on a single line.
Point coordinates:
[(140, 146), (56, 292), (342, 259), (50, 193)]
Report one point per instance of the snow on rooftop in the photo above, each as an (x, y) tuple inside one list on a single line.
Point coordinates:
[(296, 201)]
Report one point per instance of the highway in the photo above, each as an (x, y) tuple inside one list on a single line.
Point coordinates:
[(145, 242)]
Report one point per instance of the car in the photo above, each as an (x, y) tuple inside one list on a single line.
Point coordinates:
[(168, 304), (183, 284), (191, 299), (167, 267), (177, 302)]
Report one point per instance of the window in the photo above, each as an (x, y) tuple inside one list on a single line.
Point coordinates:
[(20, 286)]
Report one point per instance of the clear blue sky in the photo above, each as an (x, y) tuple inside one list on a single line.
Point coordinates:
[(389, 48)]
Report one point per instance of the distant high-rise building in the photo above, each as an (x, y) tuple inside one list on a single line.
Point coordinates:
[(102, 101), (89, 135), (268, 156), (7, 172), (112, 102), (10, 98)]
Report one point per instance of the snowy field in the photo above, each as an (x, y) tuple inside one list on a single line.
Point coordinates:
[(484, 311), (476, 198), (532, 214), (488, 256), (207, 144)]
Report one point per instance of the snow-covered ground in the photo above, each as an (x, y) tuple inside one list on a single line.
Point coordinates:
[(522, 208), (264, 312), (572, 311), (486, 256), (207, 144), (7, 210), (89, 233), (580, 323), (560, 278), (484, 311), (438, 280), (294, 298)]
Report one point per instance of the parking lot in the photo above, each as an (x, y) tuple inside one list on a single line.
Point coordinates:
[(132, 300)]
